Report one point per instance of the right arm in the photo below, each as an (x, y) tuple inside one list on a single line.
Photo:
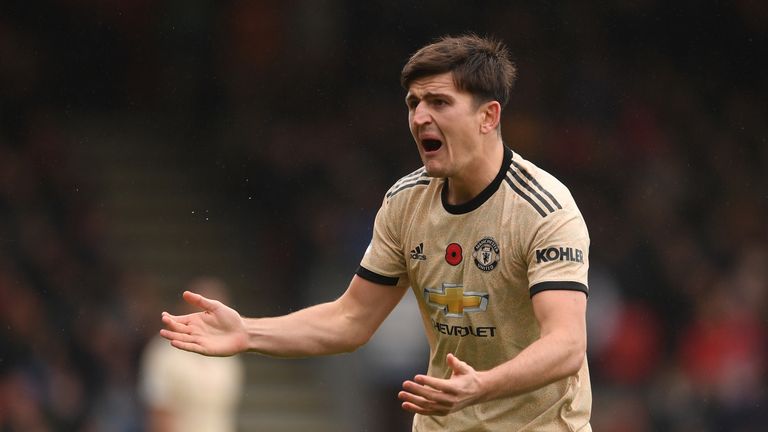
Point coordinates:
[(342, 325)]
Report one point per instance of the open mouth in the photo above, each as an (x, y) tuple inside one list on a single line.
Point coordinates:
[(431, 145)]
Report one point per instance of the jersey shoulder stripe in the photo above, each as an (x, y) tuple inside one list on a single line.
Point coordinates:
[(530, 189), (416, 178), (530, 178), (406, 186), (525, 197), (524, 184), (412, 175), (408, 178)]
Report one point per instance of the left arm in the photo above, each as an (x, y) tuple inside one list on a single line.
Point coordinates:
[(558, 353)]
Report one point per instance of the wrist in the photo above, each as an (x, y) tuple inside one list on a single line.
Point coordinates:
[(484, 386), (250, 335)]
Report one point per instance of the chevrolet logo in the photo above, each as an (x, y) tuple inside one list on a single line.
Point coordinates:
[(453, 301)]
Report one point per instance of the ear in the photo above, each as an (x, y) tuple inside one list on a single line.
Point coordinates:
[(490, 115)]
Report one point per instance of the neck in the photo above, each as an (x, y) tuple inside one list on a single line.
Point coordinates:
[(476, 176)]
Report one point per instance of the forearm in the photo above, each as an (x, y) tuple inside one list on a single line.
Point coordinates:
[(322, 329), (557, 354), (329, 328), (551, 358), (340, 326)]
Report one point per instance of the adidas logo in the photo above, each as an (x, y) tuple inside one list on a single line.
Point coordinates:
[(417, 253)]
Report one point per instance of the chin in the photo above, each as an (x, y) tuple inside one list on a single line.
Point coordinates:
[(435, 171)]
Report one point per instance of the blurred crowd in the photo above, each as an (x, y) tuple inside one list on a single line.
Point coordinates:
[(653, 113)]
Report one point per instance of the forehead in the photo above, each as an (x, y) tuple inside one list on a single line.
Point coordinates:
[(441, 84)]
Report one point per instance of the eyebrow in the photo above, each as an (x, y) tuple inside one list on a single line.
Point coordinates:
[(428, 95)]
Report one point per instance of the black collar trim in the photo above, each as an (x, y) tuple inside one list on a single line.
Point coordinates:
[(482, 196)]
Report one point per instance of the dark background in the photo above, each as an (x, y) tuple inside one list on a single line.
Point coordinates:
[(287, 120)]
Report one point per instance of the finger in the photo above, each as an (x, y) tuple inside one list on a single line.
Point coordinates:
[(438, 384), (414, 399), (176, 336), (197, 300), (416, 409), (418, 405), (425, 391), (412, 408), (175, 325), (459, 367), (184, 319), (417, 402), (188, 346)]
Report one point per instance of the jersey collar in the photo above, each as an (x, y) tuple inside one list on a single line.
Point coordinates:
[(482, 196)]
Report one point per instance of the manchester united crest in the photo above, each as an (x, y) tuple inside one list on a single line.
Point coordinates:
[(486, 254)]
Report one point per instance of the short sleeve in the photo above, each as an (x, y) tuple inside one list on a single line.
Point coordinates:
[(558, 258), (384, 260)]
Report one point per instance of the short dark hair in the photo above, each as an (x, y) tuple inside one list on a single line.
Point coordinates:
[(480, 66)]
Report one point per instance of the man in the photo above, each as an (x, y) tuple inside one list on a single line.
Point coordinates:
[(494, 248)]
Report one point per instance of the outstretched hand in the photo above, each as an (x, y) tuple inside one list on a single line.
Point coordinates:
[(217, 330), (435, 396)]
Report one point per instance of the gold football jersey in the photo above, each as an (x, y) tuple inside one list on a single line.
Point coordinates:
[(474, 268)]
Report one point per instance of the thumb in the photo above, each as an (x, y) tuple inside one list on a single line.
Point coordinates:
[(197, 300), (457, 366)]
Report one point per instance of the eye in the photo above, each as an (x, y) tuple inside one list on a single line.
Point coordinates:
[(439, 102)]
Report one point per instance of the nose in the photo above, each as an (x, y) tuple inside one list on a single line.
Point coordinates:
[(421, 115)]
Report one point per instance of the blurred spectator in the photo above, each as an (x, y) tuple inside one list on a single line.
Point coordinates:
[(395, 351), (185, 392)]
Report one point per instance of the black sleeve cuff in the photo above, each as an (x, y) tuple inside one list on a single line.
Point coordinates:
[(375, 277), (566, 286)]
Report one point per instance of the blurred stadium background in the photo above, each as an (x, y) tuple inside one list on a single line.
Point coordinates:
[(144, 143)]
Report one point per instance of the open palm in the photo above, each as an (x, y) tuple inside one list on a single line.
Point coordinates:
[(217, 330)]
